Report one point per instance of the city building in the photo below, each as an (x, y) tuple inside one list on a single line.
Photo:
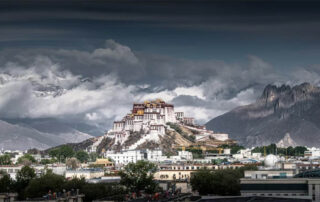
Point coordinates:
[(125, 157), (303, 188), (12, 170), (132, 156), (88, 173), (103, 163), (170, 172)]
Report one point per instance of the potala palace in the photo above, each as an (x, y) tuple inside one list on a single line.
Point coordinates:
[(150, 119)]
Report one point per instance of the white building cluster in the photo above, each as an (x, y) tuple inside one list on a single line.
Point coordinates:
[(132, 156)]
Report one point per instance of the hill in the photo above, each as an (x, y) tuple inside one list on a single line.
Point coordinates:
[(18, 136)]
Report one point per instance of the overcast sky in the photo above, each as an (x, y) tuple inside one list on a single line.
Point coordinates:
[(87, 61)]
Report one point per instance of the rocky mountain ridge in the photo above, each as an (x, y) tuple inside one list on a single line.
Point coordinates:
[(279, 110)]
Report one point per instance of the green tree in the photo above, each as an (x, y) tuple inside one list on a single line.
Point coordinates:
[(24, 176), (139, 176), (26, 159), (82, 156), (48, 161), (5, 159), (62, 153), (219, 182), (289, 151), (6, 183), (38, 187), (74, 183), (202, 181)]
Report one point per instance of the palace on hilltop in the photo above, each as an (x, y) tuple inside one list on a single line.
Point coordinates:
[(147, 116), (151, 120)]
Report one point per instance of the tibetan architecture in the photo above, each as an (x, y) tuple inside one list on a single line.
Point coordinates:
[(149, 117)]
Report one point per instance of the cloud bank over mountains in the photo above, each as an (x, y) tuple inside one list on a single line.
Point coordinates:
[(100, 85)]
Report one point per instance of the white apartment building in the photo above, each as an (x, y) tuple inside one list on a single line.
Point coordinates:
[(12, 170), (125, 157), (132, 156)]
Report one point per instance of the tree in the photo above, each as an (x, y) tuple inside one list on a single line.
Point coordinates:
[(48, 161), (24, 176), (38, 187), (62, 153), (289, 151), (202, 181), (139, 176), (74, 183), (26, 159), (6, 183), (82, 156), (220, 182), (5, 159), (72, 163)]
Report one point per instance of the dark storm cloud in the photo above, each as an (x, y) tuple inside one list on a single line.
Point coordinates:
[(61, 20)]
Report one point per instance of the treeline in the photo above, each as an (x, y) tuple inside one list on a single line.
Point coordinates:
[(28, 185), (135, 178), (64, 152), (219, 182), (58, 154), (26, 159), (273, 149)]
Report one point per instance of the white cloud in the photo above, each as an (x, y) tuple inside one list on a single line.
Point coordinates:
[(46, 84), (115, 51), (33, 93)]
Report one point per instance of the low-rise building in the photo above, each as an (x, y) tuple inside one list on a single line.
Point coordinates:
[(184, 171), (125, 157), (132, 156), (12, 170), (269, 174), (103, 163), (303, 188), (88, 173)]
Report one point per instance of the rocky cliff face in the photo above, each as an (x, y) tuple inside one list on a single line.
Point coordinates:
[(279, 110)]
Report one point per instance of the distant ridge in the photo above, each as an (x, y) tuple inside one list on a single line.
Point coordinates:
[(280, 110), (23, 137)]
